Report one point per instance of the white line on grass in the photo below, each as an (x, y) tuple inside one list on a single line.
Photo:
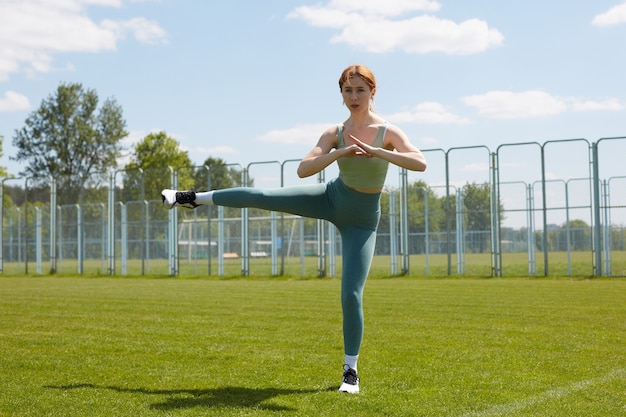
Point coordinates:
[(505, 409)]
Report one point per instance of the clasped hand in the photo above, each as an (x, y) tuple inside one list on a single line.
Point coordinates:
[(360, 148)]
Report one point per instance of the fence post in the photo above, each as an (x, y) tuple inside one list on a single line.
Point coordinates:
[(496, 242), (530, 240), (209, 213), (26, 226), (544, 212), (321, 238), (273, 247), (220, 240), (53, 225), (144, 214), (79, 237), (393, 246), (111, 224), (597, 243), (173, 225), (245, 250), (607, 269), (404, 221), (38, 240), (460, 232), (124, 237)]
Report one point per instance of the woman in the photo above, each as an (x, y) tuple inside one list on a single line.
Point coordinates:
[(363, 147)]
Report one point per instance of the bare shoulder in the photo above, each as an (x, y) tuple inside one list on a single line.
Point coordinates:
[(395, 138), (328, 140), (329, 137), (331, 130), (393, 130)]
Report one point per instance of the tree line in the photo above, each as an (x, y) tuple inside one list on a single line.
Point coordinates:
[(76, 139)]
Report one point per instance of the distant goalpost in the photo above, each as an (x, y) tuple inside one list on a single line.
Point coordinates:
[(259, 248)]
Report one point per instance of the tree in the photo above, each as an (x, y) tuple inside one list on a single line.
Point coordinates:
[(477, 201), (222, 176), (3, 171), (477, 206), (68, 138), (580, 235), (418, 192), (151, 162)]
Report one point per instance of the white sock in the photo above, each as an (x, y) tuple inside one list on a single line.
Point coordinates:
[(204, 197), (351, 361)]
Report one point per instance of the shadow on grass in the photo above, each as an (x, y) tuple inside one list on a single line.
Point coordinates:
[(215, 397)]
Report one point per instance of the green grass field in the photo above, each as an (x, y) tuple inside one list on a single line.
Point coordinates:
[(102, 346)]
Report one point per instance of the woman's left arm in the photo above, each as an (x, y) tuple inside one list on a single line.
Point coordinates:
[(403, 153)]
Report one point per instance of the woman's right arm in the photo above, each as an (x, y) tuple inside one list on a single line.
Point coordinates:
[(320, 156)]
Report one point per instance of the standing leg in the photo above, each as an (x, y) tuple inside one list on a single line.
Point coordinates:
[(358, 250)]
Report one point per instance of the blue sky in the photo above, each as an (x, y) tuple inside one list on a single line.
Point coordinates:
[(254, 81)]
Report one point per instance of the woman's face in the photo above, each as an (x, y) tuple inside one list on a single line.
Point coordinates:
[(356, 94)]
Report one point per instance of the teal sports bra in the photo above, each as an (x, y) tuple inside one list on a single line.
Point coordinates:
[(359, 171)]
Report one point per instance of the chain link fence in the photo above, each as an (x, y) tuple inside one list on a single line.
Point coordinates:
[(556, 208)]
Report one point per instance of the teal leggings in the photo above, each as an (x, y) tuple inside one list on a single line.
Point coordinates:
[(355, 215)]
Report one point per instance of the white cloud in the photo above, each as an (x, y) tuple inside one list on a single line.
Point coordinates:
[(427, 113), (612, 104), (142, 29), (32, 32), (340, 13), (13, 101), (614, 16), (511, 105), (305, 134), (420, 35), (533, 104), (370, 26), (384, 8)]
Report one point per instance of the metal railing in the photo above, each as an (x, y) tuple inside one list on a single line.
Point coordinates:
[(426, 227)]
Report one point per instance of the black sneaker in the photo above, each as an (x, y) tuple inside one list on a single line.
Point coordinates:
[(173, 198), (350, 381)]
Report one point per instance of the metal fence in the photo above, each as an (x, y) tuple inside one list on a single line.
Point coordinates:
[(556, 208)]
